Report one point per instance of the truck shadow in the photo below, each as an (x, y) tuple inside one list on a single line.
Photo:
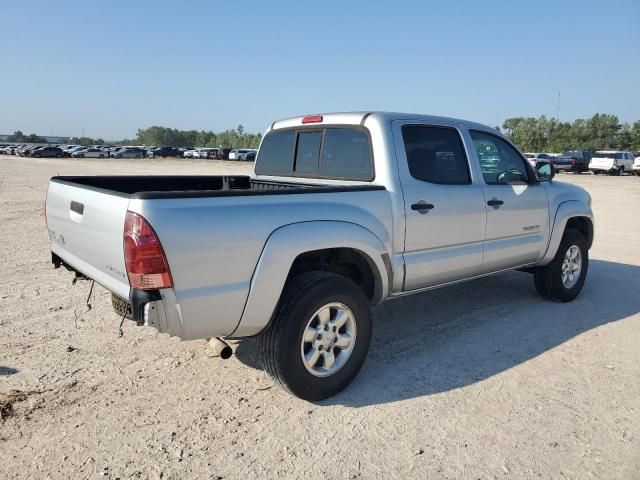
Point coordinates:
[(456, 336)]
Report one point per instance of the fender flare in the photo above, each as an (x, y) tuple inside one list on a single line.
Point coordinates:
[(566, 211), (281, 249)]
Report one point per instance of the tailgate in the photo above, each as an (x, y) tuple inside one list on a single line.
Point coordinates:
[(86, 231), (601, 163), (562, 161)]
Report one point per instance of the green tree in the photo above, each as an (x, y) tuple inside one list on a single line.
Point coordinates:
[(17, 136), (543, 134), (635, 136)]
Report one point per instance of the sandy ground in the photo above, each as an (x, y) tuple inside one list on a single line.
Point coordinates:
[(481, 380)]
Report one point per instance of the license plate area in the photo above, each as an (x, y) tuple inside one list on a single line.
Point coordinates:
[(121, 306)]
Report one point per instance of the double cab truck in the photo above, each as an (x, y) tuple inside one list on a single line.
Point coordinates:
[(343, 211)]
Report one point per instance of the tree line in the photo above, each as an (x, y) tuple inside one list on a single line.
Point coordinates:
[(164, 137), (19, 137), (171, 137), (600, 132), (543, 134)]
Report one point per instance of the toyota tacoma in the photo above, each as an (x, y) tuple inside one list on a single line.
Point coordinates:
[(343, 211)]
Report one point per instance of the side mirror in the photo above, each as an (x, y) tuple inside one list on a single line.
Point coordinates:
[(545, 170)]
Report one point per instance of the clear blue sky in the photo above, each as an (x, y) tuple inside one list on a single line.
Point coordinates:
[(111, 67)]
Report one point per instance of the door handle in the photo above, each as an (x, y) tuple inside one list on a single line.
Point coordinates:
[(495, 202), (422, 205)]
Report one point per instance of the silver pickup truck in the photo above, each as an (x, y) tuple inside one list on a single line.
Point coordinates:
[(344, 211)]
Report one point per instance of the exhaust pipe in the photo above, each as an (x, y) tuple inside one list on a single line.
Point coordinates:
[(221, 348)]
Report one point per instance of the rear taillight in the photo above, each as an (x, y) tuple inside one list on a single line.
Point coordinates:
[(146, 263)]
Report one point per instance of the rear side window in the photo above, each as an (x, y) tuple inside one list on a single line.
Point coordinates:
[(339, 153), (435, 155)]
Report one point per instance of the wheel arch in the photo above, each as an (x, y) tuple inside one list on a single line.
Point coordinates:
[(584, 225), (335, 246), (570, 214)]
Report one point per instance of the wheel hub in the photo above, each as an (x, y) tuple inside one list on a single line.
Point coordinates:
[(571, 266), (328, 339)]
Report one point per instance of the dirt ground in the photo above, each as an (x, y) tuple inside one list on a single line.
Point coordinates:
[(481, 380)]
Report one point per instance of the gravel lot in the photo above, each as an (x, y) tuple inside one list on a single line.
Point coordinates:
[(480, 380)]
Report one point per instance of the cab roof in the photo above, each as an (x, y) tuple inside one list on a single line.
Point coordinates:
[(359, 118)]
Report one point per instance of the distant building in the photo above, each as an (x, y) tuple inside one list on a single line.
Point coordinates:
[(56, 139)]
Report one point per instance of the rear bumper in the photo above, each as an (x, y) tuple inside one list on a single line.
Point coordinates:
[(563, 166), (602, 168), (146, 307), (211, 313)]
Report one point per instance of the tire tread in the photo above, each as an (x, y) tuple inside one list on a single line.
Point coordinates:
[(293, 291), (544, 276)]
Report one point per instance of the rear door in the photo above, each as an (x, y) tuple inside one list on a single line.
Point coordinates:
[(444, 205), (86, 230), (517, 209)]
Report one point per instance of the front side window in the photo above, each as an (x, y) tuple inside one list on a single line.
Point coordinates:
[(435, 155), (501, 164)]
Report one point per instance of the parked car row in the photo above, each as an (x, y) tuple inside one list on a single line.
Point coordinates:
[(106, 151), (609, 162)]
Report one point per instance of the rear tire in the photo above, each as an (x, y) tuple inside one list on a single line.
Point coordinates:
[(101, 156), (300, 350), (557, 279)]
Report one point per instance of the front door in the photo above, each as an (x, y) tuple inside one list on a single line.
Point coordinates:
[(444, 205), (517, 208)]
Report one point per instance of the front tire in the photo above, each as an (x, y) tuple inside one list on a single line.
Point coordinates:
[(319, 336), (563, 278)]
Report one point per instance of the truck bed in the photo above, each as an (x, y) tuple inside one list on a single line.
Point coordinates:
[(195, 186)]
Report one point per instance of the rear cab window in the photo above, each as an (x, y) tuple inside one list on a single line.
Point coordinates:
[(342, 153)]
